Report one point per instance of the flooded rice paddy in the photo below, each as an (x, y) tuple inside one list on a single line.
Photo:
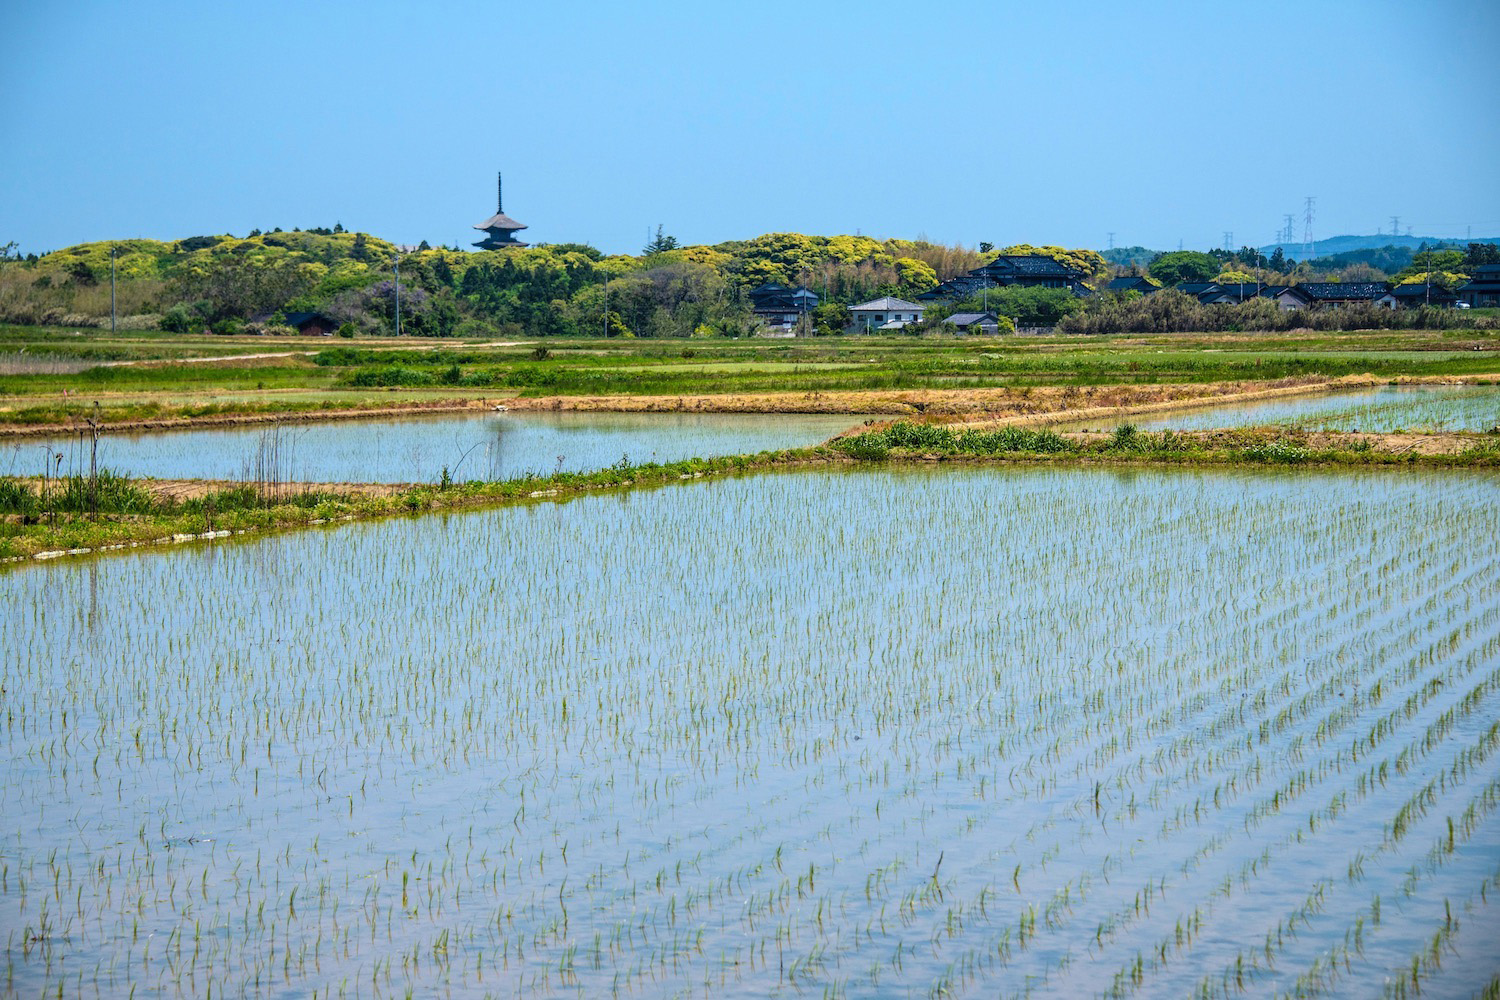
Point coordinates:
[(1380, 410), (488, 446), (901, 732)]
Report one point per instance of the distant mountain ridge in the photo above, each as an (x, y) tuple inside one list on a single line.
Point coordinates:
[(1346, 244)]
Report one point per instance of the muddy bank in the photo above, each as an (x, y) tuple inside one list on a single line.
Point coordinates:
[(999, 404), (166, 423)]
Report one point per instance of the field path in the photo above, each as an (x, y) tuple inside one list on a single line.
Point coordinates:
[(293, 354)]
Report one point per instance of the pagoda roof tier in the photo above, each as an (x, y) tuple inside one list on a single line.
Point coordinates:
[(500, 221)]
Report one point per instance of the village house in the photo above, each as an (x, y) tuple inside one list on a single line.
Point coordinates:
[(780, 307), (984, 323), (1197, 289), (962, 287), (1419, 293), (1483, 290), (1011, 271), (1132, 283), (884, 314), (1335, 294), (1031, 271), (1288, 297)]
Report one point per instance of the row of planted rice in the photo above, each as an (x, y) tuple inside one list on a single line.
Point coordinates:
[(1055, 732), (1382, 410)]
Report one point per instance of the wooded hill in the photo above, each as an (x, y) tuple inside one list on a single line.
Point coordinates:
[(228, 284)]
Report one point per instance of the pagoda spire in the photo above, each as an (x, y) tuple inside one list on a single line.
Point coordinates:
[(500, 229)]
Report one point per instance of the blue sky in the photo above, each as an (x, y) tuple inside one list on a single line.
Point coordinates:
[(997, 121)]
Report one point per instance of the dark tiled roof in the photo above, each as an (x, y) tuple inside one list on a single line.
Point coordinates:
[(500, 221), (969, 319), (1033, 265), (1420, 290), (1345, 289), (960, 287), (773, 296), (1231, 294), (1480, 286), (1196, 287), (1129, 283)]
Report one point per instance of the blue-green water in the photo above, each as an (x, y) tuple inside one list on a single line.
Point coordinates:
[(417, 449), (884, 732), (1379, 410)]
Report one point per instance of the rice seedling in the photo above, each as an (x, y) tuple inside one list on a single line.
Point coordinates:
[(1067, 732)]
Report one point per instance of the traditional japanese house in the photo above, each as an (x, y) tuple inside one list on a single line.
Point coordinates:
[(778, 306), (971, 322), (1420, 293), (1132, 283), (1483, 290), (1334, 294)]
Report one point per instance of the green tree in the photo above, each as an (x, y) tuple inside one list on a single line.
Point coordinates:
[(1481, 253), (660, 244), (830, 318), (1183, 265)]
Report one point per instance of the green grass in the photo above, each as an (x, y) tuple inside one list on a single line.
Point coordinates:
[(410, 368)]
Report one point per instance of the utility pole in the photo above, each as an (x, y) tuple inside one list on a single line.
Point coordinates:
[(114, 252), (1307, 229), (397, 262)]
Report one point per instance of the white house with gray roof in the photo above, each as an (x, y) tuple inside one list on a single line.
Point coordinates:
[(888, 313)]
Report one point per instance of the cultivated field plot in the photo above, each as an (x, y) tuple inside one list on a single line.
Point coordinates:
[(1386, 409), (890, 732), (488, 446)]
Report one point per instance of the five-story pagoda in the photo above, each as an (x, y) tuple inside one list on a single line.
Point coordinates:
[(500, 229)]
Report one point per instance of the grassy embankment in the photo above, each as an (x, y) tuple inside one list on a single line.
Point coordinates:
[(58, 519), (835, 374)]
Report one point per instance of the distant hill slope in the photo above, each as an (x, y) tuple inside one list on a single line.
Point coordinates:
[(1346, 244), (1129, 256)]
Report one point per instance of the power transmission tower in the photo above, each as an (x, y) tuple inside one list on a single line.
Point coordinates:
[(1111, 241), (1286, 233), (1307, 230), (1395, 225), (1229, 241)]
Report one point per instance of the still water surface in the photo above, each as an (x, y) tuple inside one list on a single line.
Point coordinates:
[(1378, 410), (878, 733), (487, 446)]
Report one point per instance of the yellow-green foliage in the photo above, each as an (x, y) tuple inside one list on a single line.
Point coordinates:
[(1235, 278), (915, 274), (1448, 279), (1087, 261)]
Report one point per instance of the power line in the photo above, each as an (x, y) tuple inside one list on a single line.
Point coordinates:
[(1307, 229)]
